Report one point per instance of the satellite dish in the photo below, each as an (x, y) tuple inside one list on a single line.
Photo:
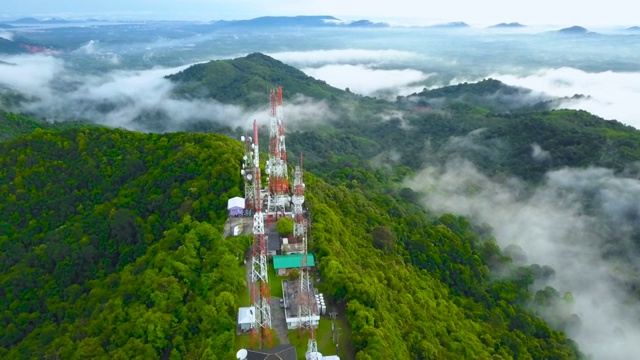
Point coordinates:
[(249, 176), (241, 354), (242, 138)]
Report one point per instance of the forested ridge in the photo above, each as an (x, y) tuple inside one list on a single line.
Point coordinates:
[(246, 81), (110, 244), (417, 287), (111, 248)]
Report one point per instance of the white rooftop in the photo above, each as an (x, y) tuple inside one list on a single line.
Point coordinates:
[(235, 202), (246, 315)]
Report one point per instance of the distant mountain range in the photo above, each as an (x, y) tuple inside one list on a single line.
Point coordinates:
[(292, 21), (297, 21), (574, 30), (507, 25), (31, 20), (455, 24)]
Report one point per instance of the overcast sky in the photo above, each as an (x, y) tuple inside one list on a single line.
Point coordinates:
[(473, 12)]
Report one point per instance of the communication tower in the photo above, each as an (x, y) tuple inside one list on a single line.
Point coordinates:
[(261, 335), (248, 174), (307, 307), (277, 163)]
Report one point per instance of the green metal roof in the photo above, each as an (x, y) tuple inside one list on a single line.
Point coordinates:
[(291, 261)]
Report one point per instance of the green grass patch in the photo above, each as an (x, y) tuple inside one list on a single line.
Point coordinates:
[(323, 337), (275, 282), (243, 341), (245, 294)]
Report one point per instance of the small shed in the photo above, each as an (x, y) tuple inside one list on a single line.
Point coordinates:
[(282, 264), (236, 206), (246, 317)]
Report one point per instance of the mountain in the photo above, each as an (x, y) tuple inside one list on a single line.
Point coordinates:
[(574, 30), (6, 26), (246, 80), (20, 45), (452, 25), (513, 25), (116, 236), (489, 94), (634, 28), (110, 241), (13, 125), (367, 24), (294, 21), (31, 20), (10, 47), (280, 21)]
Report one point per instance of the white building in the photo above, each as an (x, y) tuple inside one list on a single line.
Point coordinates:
[(246, 317)]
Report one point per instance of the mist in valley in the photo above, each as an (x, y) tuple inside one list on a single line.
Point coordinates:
[(584, 223)]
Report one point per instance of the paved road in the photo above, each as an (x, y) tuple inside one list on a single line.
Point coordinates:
[(278, 321)]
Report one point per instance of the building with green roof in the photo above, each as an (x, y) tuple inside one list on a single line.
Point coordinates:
[(282, 264)]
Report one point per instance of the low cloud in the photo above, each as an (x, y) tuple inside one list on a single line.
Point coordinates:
[(584, 223), (612, 95), (365, 80), (538, 153), (6, 35), (136, 100), (316, 58)]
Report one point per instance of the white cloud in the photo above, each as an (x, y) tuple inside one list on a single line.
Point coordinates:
[(125, 95), (367, 81), (6, 35), (581, 222), (317, 58), (538, 153), (30, 74), (613, 95)]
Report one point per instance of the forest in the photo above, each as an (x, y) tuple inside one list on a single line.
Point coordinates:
[(111, 246)]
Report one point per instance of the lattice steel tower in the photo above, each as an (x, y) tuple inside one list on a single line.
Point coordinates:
[(261, 334), (248, 173), (277, 164), (307, 307)]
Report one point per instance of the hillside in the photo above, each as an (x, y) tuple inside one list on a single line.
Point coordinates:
[(112, 249), (13, 125), (418, 287), (246, 81), (94, 219), (502, 123)]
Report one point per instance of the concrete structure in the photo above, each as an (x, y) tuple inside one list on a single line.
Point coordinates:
[(289, 246), (235, 206), (278, 352), (291, 291), (246, 317), (283, 264)]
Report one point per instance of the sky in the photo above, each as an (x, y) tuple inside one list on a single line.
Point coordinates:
[(482, 13)]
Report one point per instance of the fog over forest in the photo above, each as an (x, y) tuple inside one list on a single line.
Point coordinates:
[(584, 223)]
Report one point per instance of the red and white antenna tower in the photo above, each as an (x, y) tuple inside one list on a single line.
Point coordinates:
[(261, 334), (248, 174), (307, 306), (277, 164)]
